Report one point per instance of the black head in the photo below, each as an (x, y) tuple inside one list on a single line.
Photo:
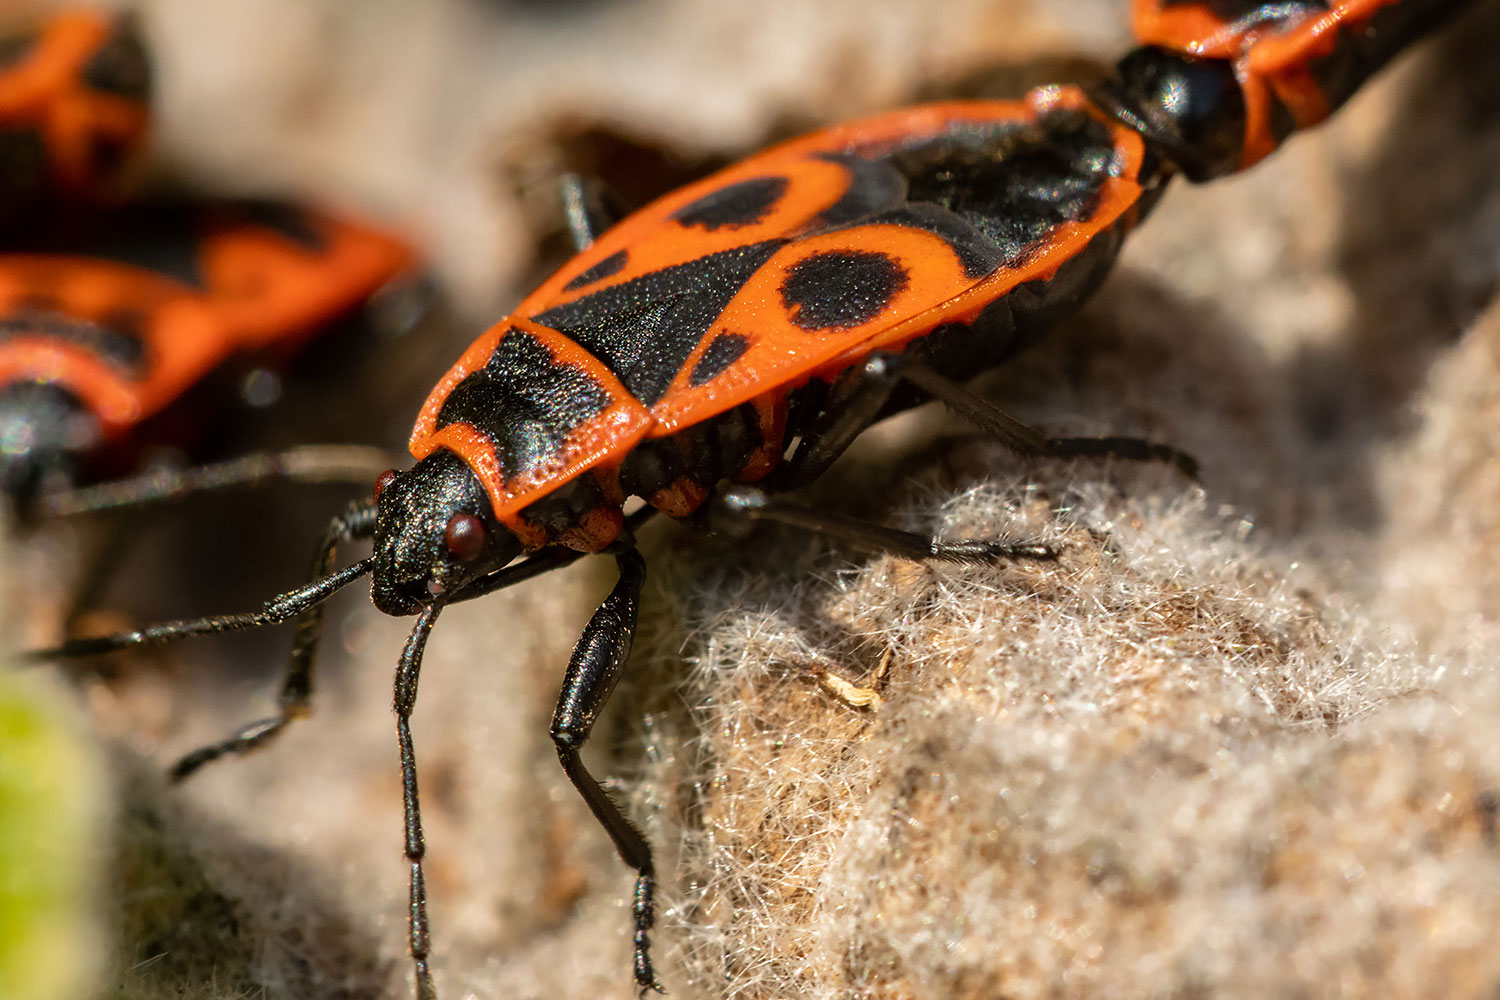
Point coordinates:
[(434, 532), (45, 433)]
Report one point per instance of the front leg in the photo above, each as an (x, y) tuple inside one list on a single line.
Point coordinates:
[(295, 702), (595, 667)]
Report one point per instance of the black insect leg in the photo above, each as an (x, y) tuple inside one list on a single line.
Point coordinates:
[(419, 936), (128, 498), (304, 604), (356, 464), (296, 686), (1026, 439), (587, 207), (281, 608), (858, 404), (538, 563), (596, 665), (871, 386), (745, 503)]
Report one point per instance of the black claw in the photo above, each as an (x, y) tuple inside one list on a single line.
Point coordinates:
[(984, 551), (643, 911), (247, 739)]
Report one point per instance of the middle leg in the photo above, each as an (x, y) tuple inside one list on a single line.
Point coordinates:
[(876, 379)]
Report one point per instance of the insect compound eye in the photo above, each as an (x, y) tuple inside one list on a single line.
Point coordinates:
[(464, 537), (382, 481)]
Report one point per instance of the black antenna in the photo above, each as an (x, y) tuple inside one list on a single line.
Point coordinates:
[(280, 608)]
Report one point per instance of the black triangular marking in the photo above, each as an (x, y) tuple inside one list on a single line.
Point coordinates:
[(644, 329)]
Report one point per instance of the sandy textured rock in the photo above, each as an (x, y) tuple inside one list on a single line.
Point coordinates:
[(1238, 741)]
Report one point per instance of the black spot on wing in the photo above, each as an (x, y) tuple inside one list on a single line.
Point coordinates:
[(119, 342), (840, 289), (281, 217), (644, 329), (874, 186), (609, 265), (166, 237), (525, 402), (723, 351), (162, 238), (741, 204)]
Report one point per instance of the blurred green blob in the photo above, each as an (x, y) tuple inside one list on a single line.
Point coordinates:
[(50, 814)]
